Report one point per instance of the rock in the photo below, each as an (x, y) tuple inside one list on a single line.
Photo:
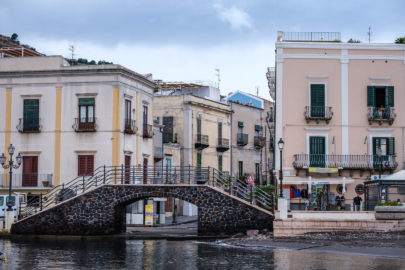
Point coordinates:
[(238, 235), (251, 233)]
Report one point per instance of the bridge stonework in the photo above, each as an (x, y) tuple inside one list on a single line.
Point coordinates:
[(102, 211)]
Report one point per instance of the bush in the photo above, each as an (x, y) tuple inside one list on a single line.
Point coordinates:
[(389, 203)]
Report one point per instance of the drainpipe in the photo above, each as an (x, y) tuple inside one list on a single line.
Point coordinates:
[(230, 143)]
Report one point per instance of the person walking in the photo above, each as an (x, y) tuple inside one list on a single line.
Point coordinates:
[(357, 202)]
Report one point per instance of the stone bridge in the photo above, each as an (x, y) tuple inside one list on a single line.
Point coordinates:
[(101, 210)]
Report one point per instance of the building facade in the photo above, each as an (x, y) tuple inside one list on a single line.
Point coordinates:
[(339, 110), (68, 120)]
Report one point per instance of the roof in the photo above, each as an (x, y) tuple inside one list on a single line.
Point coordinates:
[(245, 99), (400, 175), (17, 51), (176, 85)]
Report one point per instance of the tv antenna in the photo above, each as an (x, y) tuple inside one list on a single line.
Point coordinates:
[(369, 34), (218, 74), (72, 50)]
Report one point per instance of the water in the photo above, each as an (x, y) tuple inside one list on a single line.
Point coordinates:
[(121, 253)]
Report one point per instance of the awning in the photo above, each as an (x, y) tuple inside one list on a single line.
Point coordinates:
[(298, 180)]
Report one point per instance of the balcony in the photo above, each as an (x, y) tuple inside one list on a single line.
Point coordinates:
[(27, 180), (318, 113), (201, 141), (29, 125), (381, 115), (130, 126), (259, 142), (81, 125), (242, 139), (147, 131), (350, 162), (223, 145)]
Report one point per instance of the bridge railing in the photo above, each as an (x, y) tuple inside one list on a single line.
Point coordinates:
[(137, 175)]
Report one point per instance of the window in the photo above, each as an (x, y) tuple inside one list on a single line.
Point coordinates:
[(168, 129), (127, 111), (145, 170), (387, 146), (379, 100), (31, 115), (145, 115), (127, 169), (220, 163), (86, 113), (317, 100), (199, 159), (240, 169), (257, 173), (219, 131), (30, 171), (85, 165), (317, 151)]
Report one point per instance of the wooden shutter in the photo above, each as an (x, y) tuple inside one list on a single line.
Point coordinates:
[(389, 96), (391, 146), (219, 130), (31, 114), (85, 165), (198, 159), (168, 129), (220, 163), (376, 145), (30, 171), (317, 95), (317, 145), (198, 125), (370, 96)]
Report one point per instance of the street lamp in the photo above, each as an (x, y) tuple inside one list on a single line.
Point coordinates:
[(10, 165), (379, 153), (281, 146)]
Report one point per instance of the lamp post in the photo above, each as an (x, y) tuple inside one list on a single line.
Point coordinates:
[(379, 153), (10, 166), (281, 146)]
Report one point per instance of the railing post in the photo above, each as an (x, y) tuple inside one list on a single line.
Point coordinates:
[(40, 202), (104, 176), (133, 174)]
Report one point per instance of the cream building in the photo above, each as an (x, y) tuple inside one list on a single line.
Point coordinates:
[(68, 120), (339, 109)]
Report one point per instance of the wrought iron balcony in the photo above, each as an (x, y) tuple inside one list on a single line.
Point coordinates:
[(85, 125), (28, 180), (242, 139), (201, 141), (147, 131), (318, 113), (304, 161), (29, 125), (130, 126), (259, 141), (381, 115), (223, 145)]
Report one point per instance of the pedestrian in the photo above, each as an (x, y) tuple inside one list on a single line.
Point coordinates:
[(357, 202), (306, 204)]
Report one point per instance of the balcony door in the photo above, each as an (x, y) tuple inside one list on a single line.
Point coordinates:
[(31, 115), (317, 100), (127, 169), (387, 146), (317, 151), (30, 171)]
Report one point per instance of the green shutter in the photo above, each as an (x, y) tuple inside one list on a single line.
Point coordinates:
[(391, 146), (86, 101), (376, 145), (389, 96), (240, 124), (198, 159), (257, 127), (220, 163), (370, 96), (317, 95), (31, 108)]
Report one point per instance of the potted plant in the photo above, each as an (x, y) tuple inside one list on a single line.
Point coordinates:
[(389, 210)]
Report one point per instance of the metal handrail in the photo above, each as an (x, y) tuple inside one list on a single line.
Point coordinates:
[(121, 175)]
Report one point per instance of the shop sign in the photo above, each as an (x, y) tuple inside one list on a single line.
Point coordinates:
[(149, 215), (323, 170)]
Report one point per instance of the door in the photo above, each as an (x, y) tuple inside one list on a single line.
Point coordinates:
[(317, 100), (127, 169), (198, 129), (31, 115), (219, 134), (198, 169), (168, 170), (30, 171), (145, 170), (85, 165), (387, 146), (317, 151)]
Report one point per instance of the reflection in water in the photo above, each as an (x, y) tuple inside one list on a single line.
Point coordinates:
[(121, 253)]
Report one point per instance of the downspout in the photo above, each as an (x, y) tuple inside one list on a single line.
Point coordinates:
[(230, 144)]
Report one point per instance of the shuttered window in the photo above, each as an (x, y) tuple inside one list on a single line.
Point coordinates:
[(85, 165), (317, 151), (220, 163), (168, 129), (372, 98), (317, 100), (30, 171), (31, 115), (219, 130), (387, 145)]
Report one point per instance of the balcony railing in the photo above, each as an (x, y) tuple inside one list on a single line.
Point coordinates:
[(29, 125), (223, 145), (381, 115), (201, 141), (304, 161), (242, 139), (27, 180), (259, 141), (85, 125), (130, 126), (318, 113), (147, 131)]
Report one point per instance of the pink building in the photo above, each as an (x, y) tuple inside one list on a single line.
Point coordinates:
[(340, 109)]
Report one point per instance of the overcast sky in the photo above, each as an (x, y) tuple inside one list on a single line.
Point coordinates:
[(186, 40)]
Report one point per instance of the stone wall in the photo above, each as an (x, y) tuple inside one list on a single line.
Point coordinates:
[(102, 211)]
